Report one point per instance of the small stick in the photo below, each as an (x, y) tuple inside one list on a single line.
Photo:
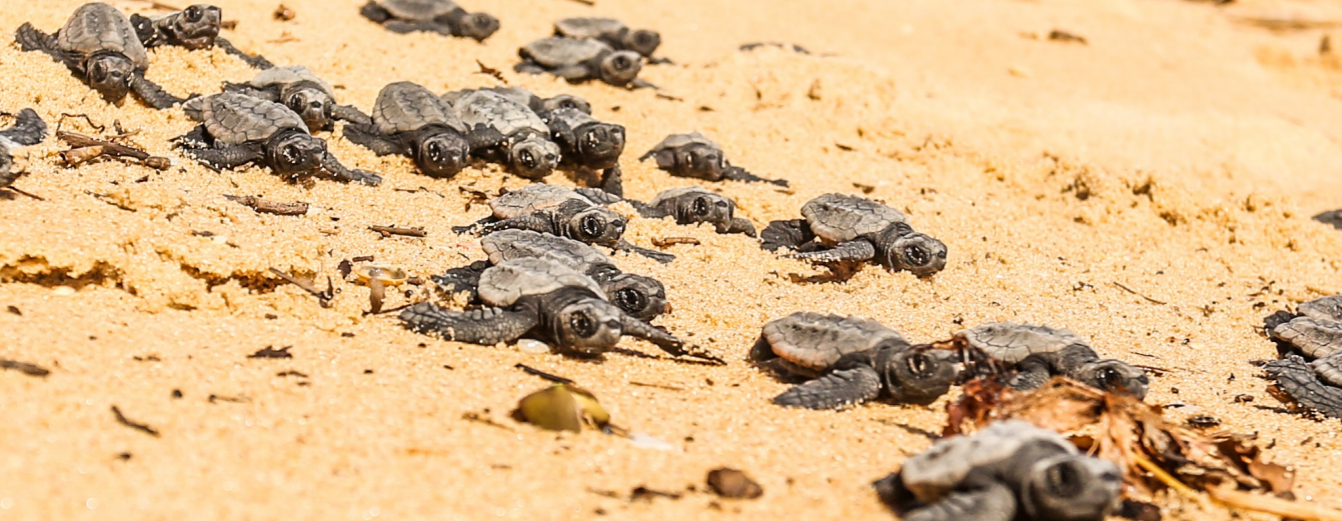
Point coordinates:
[(392, 230), (1274, 505), (669, 241), (262, 205), (323, 297), (24, 367), (485, 69), (537, 372), (479, 418), (121, 418), (586, 2), (1134, 292), (88, 147), (657, 386), (21, 192)]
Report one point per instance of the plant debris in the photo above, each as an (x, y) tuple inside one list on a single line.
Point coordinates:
[(271, 352), (378, 278), (24, 367), (284, 13), (121, 418), (1058, 35), (262, 205), (564, 407), (647, 494), (87, 148), (485, 69), (388, 231), (482, 418), (732, 483), (323, 297), (671, 241), (547, 376)]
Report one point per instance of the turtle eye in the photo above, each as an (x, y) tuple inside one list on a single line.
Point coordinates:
[(916, 255), (700, 206), (193, 14), (435, 151), (591, 226), (1109, 379), (528, 160), (593, 138), (919, 364), (568, 104), (292, 154), (581, 324), (1063, 480), (631, 299)]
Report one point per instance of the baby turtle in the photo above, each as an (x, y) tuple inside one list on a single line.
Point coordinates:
[(561, 211), (237, 130), (612, 32), (639, 296), (855, 229), (28, 129), (541, 299), (578, 60), (435, 16), (694, 205), (542, 106), (587, 144), (411, 121), (100, 47), (1314, 386), (1037, 353), (303, 92), (1009, 470), (1315, 329), (693, 155), (196, 27), (855, 360), (525, 146)]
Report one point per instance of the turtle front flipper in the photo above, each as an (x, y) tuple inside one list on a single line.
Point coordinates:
[(1032, 372), (31, 38), (736, 173), (741, 225), (375, 12), (612, 181), (339, 172), (486, 326), (474, 228), (152, 94), (834, 390), (789, 234), (658, 256), (462, 279), (647, 211), (528, 67), (994, 502), (369, 138), (1300, 382), (226, 158), (534, 223), (845, 251), (256, 61), (28, 129), (350, 114), (667, 342)]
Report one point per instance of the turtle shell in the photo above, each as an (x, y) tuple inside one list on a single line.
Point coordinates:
[(406, 107), (531, 199), (933, 473), (815, 342), (840, 218), (1329, 368), (1316, 338), (1324, 309), (689, 190), (497, 111), (680, 140), (503, 284), (284, 76), (588, 27), (235, 119), (555, 52), (100, 27), (417, 10), (1011, 343), (505, 245)]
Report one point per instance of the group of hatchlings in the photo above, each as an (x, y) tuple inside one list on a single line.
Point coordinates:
[(545, 280)]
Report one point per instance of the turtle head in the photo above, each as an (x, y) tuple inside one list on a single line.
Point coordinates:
[(638, 296), (642, 41), (566, 101), (600, 144), (916, 375), (478, 26), (901, 248), (620, 67), (704, 207), (589, 326), (1070, 487), (596, 225), (197, 26), (533, 157), (293, 153), (442, 154), (110, 73), (312, 104), (1114, 376), (702, 161)]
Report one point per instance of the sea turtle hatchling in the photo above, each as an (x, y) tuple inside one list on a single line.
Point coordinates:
[(1011, 470), (851, 228), (411, 121), (237, 130), (435, 16), (100, 47), (578, 60), (1314, 386), (1037, 353), (852, 360), (541, 106), (1315, 329), (694, 205), (541, 299), (588, 145), (611, 31), (561, 211), (296, 87), (525, 147), (693, 155), (641, 297), (196, 27), (28, 129)]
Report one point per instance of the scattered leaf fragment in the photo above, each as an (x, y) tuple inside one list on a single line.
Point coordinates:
[(271, 352), (732, 483), (563, 407)]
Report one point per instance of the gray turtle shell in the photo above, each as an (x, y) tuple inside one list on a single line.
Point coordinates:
[(840, 218), (417, 10), (1011, 342), (1327, 309), (554, 52), (1315, 338), (234, 119), (584, 27), (505, 245), (100, 27), (680, 140), (503, 284), (815, 341), (406, 107), (1329, 368), (531, 199), (494, 110), (285, 76), (933, 473), (678, 192)]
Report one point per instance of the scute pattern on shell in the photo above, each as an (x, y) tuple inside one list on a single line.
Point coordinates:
[(559, 52), (1011, 343), (1325, 309), (497, 111), (505, 245), (677, 192), (96, 27), (931, 474), (531, 199), (1329, 368), (1316, 338), (406, 107), (503, 284), (680, 140), (417, 10), (840, 218), (816, 341), (583, 27), (235, 119), (290, 75)]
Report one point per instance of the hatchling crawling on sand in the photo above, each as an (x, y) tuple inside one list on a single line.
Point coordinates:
[(852, 360), (1316, 331), (100, 47), (541, 299), (578, 60), (561, 211), (1011, 470), (303, 92), (854, 229), (688, 205), (611, 31), (525, 146), (541, 106), (28, 129), (1037, 353), (586, 143), (411, 121), (237, 130), (639, 296), (435, 16), (196, 27), (693, 155)]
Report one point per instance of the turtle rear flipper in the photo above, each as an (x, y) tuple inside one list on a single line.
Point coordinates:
[(664, 258), (845, 251), (152, 94), (339, 172), (375, 12), (1300, 382), (736, 173), (256, 61), (786, 234), (28, 129), (993, 502), (226, 158), (834, 390), (487, 326), (31, 38)]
